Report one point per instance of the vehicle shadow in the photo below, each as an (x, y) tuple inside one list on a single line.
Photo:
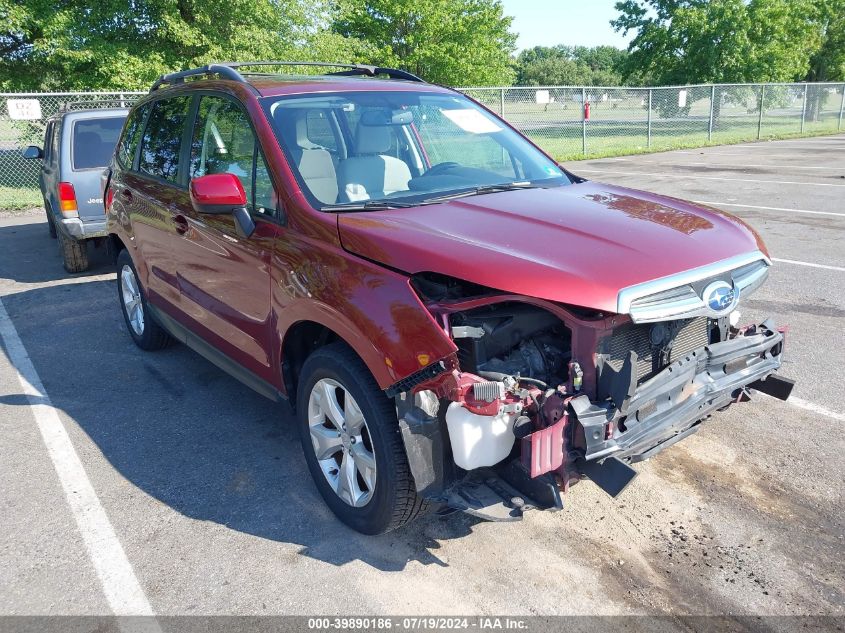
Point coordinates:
[(30, 255), (190, 436)]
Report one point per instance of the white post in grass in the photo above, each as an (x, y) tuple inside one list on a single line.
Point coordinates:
[(584, 120), (804, 109), (712, 110)]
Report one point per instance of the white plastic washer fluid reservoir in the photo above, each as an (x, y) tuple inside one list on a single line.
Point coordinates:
[(479, 440)]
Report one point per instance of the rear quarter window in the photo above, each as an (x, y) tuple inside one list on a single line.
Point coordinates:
[(131, 136), (93, 141)]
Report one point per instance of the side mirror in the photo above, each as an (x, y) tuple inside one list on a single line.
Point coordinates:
[(222, 193), (33, 152)]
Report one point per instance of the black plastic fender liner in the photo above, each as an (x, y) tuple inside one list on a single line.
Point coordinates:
[(611, 475), (425, 449), (774, 385)]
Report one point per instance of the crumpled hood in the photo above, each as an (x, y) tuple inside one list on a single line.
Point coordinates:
[(578, 244)]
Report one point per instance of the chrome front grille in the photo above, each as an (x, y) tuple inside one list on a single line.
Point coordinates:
[(652, 357), (680, 296)]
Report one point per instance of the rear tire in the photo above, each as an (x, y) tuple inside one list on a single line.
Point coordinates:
[(74, 254), (145, 332), (384, 488)]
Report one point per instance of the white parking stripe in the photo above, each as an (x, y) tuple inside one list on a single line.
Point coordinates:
[(815, 408), (797, 263), (688, 177), (752, 206), (787, 157), (120, 586), (744, 165)]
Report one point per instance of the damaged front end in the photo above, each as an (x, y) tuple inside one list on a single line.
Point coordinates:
[(540, 396)]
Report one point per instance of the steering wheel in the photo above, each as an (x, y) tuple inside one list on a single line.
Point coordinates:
[(439, 168)]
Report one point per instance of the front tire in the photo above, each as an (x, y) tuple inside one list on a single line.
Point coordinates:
[(352, 443), (147, 334)]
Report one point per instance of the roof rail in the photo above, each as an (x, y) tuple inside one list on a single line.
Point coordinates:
[(229, 70), (68, 106)]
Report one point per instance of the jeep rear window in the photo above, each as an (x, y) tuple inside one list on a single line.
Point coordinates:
[(94, 141)]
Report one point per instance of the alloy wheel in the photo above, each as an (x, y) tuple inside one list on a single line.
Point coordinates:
[(132, 303), (342, 443)]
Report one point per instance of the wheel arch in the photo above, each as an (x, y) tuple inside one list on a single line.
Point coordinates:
[(301, 340), (115, 246)]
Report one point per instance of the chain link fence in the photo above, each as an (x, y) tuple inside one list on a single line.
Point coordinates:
[(568, 122), (571, 122)]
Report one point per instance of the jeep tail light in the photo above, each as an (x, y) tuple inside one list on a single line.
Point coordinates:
[(109, 198), (67, 200)]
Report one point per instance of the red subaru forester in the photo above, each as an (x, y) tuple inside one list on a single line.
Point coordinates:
[(457, 321)]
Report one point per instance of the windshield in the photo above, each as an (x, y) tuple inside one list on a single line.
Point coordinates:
[(357, 150), (94, 141)]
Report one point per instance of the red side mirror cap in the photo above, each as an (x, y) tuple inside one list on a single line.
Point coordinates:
[(217, 193)]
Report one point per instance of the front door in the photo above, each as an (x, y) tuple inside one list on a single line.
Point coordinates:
[(223, 277)]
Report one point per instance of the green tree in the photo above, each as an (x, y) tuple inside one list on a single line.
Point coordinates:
[(552, 71), (453, 42), (828, 61), (703, 41), (570, 65), (126, 44)]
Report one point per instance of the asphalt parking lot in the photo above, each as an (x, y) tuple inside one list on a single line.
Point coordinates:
[(201, 484)]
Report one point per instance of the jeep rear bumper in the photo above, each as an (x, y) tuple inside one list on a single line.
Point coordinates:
[(79, 229), (670, 405)]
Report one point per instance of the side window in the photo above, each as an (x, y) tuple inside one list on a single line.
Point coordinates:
[(162, 138), (131, 136), (48, 138), (223, 143), (265, 194)]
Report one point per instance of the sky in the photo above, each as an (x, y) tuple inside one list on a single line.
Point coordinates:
[(571, 22)]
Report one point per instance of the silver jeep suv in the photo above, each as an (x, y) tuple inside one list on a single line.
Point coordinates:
[(78, 144)]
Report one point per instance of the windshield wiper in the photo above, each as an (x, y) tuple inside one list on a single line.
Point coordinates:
[(370, 205), (478, 191)]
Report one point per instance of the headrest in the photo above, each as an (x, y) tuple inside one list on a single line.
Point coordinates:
[(302, 131), (373, 139)]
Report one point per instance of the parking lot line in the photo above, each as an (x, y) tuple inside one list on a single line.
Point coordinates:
[(743, 165), (752, 206), (738, 153), (688, 177), (120, 585), (815, 408), (797, 263)]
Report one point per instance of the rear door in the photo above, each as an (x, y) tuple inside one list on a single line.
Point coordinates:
[(156, 196), (91, 142), (223, 277)]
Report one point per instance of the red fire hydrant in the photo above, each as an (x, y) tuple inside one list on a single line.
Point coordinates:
[(587, 110)]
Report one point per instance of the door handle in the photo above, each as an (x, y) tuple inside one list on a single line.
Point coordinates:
[(181, 223)]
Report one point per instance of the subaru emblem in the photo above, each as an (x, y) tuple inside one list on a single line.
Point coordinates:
[(720, 297)]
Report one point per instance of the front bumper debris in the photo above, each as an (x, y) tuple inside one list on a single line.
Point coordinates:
[(599, 439), (685, 392)]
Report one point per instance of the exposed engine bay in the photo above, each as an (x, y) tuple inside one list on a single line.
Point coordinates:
[(540, 396)]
